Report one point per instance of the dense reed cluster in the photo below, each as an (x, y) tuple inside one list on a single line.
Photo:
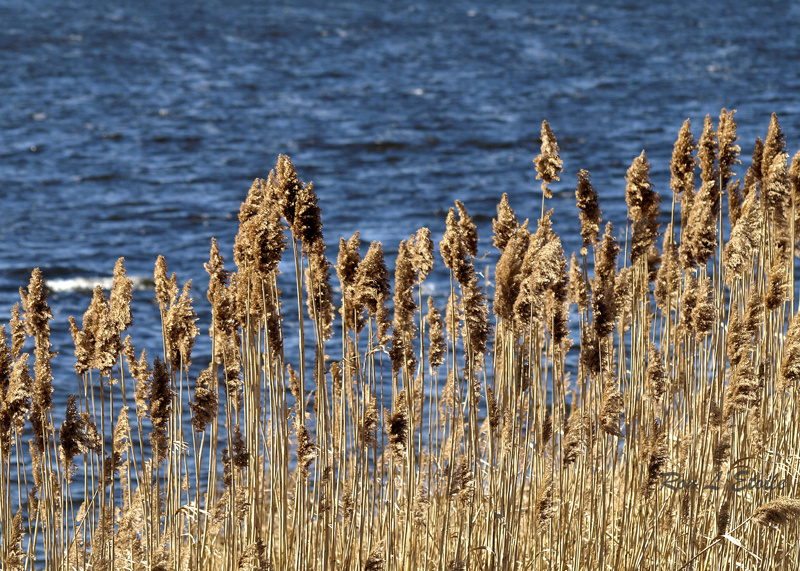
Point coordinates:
[(447, 434)]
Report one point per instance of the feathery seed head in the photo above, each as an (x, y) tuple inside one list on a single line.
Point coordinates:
[(469, 231), (121, 295), (438, 348), (683, 163), (775, 144), (728, 149), (590, 212), (17, 331), (505, 225), (283, 188), (548, 163), (421, 247), (707, 153)]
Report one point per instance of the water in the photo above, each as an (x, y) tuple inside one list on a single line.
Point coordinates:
[(136, 129)]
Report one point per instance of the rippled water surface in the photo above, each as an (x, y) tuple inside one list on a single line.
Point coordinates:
[(135, 129)]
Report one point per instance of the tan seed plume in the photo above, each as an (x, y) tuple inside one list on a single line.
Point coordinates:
[(505, 225), (548, 163), (590, 212)]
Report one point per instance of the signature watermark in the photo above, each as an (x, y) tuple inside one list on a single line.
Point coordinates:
[(742, 478)]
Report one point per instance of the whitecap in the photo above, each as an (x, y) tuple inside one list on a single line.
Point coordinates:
[(87, 284)]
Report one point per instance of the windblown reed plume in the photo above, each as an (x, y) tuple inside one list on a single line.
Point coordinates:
[(728, 157), (505, 225), (589, 210), (604, 305), (437, 350), (779, 511), (643, 207), (548, 163)]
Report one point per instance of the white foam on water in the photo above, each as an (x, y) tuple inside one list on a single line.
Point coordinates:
[(88, 283)]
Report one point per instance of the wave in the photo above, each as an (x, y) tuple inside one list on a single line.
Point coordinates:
[(87, 284)]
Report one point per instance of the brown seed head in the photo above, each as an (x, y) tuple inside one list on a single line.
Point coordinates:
[(657, 455), (778, 512), (438, 348), (206, 405), (72, 435), (578, 289), (17, 331), (611, 409), (505, 225), (320, 293), (775, 143), (590, 212), (180, 328), (604, 307), (508, 274), (346, 269), (682, 169), (397, 424), (752, 180), (372, 280), (166, 288), (728, 149), (453, 250), (17, 401), (368, 433), (14, 558), (159, 407), (307, 224), (240, 453), (377, 558), (656, 373), (744, 241), (469, 231), (283, 187), (260, 241), (34, 304), (476, 317), (707, 154), (121, 295), (701, 233), (382, 319), (542, 267), (794, 183), (107, 344), (669, 273), (790, 366), (6, 362), (545, 504), (643, 207), (724, 516), (548, 163), (421, 247), (704, 313), (575, 437), (623, 297), (776, 187), (452, 316), (222, 295), (404, 328), (306, 450), (743, 390)]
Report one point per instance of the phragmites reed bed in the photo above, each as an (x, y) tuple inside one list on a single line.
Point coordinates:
[(629, 406)]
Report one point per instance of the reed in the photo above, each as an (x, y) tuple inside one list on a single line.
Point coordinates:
[(628, 407)]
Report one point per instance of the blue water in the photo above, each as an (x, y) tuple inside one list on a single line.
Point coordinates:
[(135, 129)]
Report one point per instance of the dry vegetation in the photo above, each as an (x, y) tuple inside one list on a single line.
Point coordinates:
[(440, 438)]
